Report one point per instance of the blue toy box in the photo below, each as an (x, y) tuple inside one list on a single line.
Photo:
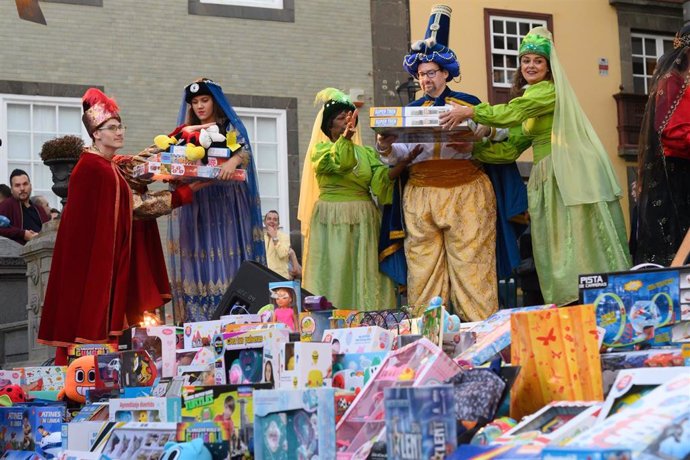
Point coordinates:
[(294, 424), (32, 428), (635, 306)]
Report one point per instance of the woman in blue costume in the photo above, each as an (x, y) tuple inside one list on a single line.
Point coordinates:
[(209, 239)]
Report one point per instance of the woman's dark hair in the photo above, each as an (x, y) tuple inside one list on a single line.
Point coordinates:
[(519, 81), (218, 114)]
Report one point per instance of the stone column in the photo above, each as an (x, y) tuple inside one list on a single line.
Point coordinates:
[(13, 341), (38, 254)]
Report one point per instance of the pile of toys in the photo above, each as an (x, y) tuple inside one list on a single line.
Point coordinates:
[(303, 380)]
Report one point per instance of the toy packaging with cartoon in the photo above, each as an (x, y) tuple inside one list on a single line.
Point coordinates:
[(634, 307)]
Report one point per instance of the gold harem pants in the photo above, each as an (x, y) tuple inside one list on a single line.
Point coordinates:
[(450, 245)]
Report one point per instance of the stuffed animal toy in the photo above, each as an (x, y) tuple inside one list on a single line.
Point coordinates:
[(14, 393), (80, 377), (192, 450)]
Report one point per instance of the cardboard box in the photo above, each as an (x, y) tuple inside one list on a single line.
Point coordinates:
[(20, 426), (305, 365), (397, 122), (161, 343), (145, 409), (633, 384), (202, 333), (585, 453), (408, 111), (155, 170), (633, 306), (251, 356), (136, 440), (294, 424), (428, 134), (420, 422), (212, 152), (359, 339), (12, 377), (556, 423), (656, 426), (352, 371), (613, 363)]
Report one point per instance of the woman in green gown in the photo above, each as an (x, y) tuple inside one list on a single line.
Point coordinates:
[(573, 194), (341, 259)]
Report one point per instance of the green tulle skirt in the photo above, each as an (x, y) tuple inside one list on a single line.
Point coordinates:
[(571, 240), (342, 258)]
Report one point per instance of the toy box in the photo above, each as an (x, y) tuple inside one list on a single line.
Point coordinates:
[(136, 440), (32, 428), (45, 378), (201, 333), (417, 364), (351, 371), (175, 158), (294, 424), (492, 336), (21, 455), (84, 349), (137, 369), (230, 406), (585, 453), (92, 412), (358, 339), (155, 170), (424, 133), (656, 426), (342, 318), (632, 384), (215, 438), (612, 363), (211, 152), (632, 306), (161, 343), (13, 377), (375, 112), (251, 356), (145, 409), (556, 423), (420, 422), (198, 374), (312, 324), (305, 365), (81, 436)]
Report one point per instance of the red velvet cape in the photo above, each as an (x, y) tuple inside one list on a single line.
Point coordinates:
[(87, 295)]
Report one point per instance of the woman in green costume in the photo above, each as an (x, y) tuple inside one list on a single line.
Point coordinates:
[(341, 237), (573, 194)]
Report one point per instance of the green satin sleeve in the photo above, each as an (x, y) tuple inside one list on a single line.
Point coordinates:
[(334, 158), (381, 185), (503, 152), (538, 100)]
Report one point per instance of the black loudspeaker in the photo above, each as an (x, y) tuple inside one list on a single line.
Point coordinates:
[(250, 289)]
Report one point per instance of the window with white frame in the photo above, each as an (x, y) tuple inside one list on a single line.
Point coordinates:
[(26, 122), (267, 131), (646, 50), (275, 4), (506, 34)]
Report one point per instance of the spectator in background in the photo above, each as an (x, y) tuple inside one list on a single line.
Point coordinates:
[(277, 245), (26, 219), (5, 192)]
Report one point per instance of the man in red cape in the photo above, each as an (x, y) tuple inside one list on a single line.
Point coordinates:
[(107, 269)]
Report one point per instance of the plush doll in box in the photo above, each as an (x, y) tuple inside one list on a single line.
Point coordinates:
[(192, 450)]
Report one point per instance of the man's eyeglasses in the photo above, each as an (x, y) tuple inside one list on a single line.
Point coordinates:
[(113, 128), (429, 74)]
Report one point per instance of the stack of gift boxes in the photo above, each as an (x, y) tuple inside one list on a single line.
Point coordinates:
[(173, 164)]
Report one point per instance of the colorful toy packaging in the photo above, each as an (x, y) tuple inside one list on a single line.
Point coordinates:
[(584, 453), (420, 422), (145, 409), (45, 378), (251, 356), (633, 306), (136, 440), (305, 365), (359, 339), (201, 333), (351, 371), (657, 426), (229, 406), (612, 363), (161, 343), (287, 301), (294, 424), (31, 428)]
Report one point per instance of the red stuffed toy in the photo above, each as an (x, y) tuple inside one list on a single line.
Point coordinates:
[(15, 393)]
